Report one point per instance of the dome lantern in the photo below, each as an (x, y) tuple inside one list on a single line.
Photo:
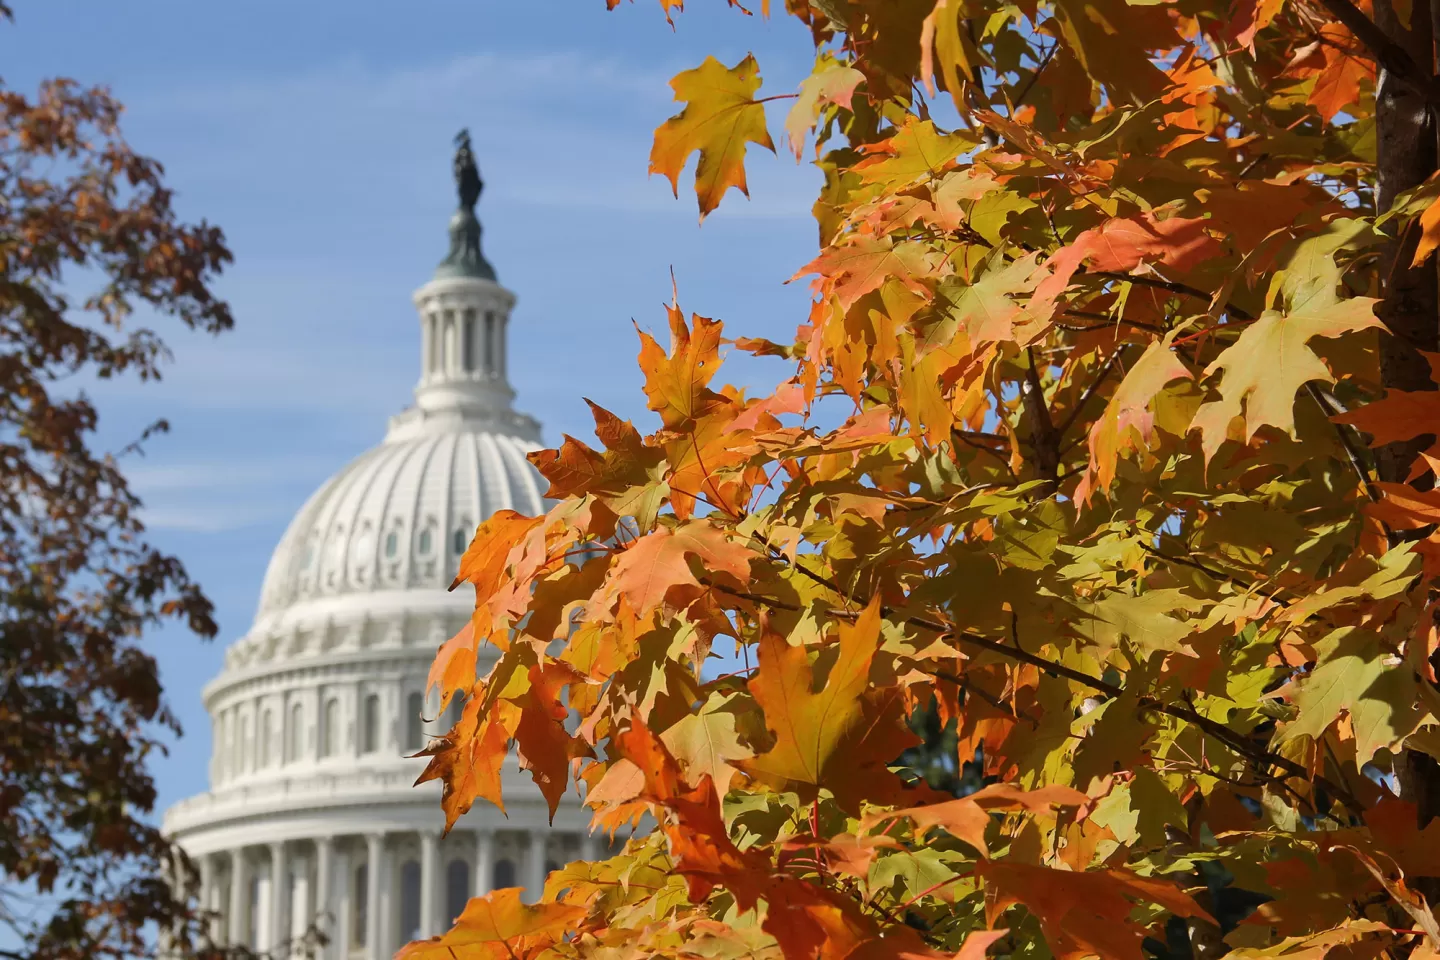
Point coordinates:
[(464, 324)]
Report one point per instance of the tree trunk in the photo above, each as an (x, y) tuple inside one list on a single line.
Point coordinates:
[(1406, 157)]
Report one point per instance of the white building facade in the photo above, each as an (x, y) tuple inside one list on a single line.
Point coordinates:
[(312, 816)]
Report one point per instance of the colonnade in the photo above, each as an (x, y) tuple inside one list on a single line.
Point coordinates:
[(369, 893)]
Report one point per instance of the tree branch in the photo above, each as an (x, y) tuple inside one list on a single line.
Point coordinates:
[(1231, 738), (1358, 465), (1044, 440), (1095, 383), (1174, 286)]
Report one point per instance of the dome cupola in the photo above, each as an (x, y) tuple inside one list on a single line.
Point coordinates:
[(399, 517)]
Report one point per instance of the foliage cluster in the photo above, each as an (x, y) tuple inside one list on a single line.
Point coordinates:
[(1135, 486), (83, 870)]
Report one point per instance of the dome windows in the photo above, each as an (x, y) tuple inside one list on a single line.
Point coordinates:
[(364, 545), (460, 537), (414, 721), (425, 543), (297, 733), (372, 723), (330, 734), (392, 544)]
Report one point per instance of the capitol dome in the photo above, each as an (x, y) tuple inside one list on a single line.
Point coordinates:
[(312, 817)]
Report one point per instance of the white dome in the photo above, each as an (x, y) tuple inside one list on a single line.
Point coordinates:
[(400, 516), (323, 705)]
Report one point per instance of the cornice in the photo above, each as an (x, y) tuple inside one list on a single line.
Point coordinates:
[(279, 676), (357, 795), (382, 626)]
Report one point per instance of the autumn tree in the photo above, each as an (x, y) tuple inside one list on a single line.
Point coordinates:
[(1111, 431), (84, 872)]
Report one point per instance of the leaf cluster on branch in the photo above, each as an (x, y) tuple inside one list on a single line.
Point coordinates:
[(84, 870), (1127, 491)]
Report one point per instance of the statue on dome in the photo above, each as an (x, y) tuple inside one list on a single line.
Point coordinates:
[(465, 258), (467, 174)]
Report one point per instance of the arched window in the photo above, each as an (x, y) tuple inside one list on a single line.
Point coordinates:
[(457, 888), (459, 540), (453, 712), (267, 724), (297, 732), (425, 542), (244, 744), (331, 732), (414, 726), (392, 544), (372, 723), (410, 900), (359, 895), (503, 875)]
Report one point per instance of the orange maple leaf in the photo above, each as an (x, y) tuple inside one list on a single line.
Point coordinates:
[(1402, 415), (721, 116), (543, 744), (469, 759), (834, 736), (1128, 414), (968, 817), (498, 926), (699, 842), (864, 264), (676, 381), (646, 572), (1337, 85), (1083, 914), (1123, 243)]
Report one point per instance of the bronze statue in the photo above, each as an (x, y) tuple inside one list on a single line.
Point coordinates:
[(467, 174), (465, 258)]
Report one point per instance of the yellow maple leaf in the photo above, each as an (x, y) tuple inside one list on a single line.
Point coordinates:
[(721, 116)]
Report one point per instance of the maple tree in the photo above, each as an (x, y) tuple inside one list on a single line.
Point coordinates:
[(84, 871), (1109, 439)]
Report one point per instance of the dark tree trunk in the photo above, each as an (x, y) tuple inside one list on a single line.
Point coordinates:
[(1406, 138)]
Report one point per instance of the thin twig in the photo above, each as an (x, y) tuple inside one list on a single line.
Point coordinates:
[(1095, 383), (1030, 84), (1231, 738), (1173, 286), (1351, 452)]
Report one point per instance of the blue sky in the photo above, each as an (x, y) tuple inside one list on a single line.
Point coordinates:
[(318, 136)]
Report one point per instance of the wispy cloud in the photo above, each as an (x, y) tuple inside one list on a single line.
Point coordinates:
[(213, 496), (483, 76)]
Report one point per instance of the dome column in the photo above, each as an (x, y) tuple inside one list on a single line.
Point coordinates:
[(239, 896), (344, 906), (534, 865), (207, 894), (429, 862), (324, 853), (279, 895), (484, 858), (374, 848), (592, 847)]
